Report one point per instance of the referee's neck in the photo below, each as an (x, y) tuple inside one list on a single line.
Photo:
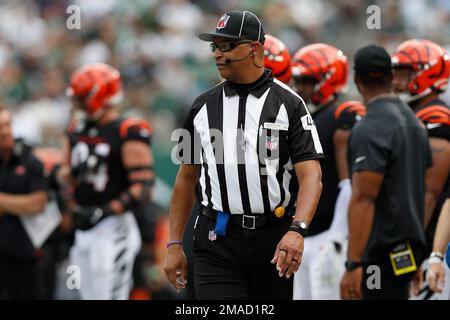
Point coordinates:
[(247, 76)]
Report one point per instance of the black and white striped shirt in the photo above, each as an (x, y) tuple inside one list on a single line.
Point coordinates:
[(247, 142)]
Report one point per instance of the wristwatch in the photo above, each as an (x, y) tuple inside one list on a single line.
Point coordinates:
[(299, 227), (352, 265)]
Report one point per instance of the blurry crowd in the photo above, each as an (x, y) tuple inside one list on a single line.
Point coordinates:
[(155, 46)]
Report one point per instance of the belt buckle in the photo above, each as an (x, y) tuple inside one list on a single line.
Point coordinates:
[(246, 218)]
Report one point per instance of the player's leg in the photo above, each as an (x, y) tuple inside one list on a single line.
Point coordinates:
[(79, 261), (302, 284), (326, 268)]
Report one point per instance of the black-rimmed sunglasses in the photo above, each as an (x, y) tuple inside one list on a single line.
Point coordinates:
[(226, 46)]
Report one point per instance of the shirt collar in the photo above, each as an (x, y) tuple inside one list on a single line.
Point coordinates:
[(257, 89)]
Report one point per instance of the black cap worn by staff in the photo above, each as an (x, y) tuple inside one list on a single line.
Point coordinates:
[(237, 25), (373, 62)]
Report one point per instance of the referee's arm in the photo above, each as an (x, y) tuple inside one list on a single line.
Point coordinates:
[(181, 204), (309, 175)]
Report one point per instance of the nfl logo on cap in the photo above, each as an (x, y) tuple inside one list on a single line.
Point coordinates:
[(223, 21)]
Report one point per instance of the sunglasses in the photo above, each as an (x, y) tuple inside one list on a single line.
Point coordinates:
[(226, 46)]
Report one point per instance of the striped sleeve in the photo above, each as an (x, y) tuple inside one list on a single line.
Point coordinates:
[(348, 113), (437, 120), (304, 142), (189, 145)]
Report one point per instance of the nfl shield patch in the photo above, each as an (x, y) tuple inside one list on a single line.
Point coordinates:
[(222, 23), (271, 143), (212, 236)]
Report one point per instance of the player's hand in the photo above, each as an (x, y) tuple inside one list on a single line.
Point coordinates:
[(351, 284), (416, 282), (436, 276), (175, 267), (87, 217), (288, 254)]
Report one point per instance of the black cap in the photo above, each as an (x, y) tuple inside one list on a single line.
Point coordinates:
[(373, 62), (237, 25)]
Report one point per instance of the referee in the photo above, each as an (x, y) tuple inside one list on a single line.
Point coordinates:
[(249, 154)]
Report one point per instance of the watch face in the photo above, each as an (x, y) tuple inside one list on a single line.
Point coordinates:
[(303, 225)]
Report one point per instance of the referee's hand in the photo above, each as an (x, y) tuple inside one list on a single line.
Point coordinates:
[(175, 267), (288, 255)]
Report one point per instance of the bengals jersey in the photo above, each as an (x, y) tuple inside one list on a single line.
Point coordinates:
[(328, 119), (435, 115), (96, 159)]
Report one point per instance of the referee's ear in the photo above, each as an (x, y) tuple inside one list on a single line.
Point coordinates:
[(258, 49)]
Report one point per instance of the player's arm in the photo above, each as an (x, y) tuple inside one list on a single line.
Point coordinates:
[(436, 269), (346, 116), (436, 175), (63, 176), (340, 139), (137, 160)]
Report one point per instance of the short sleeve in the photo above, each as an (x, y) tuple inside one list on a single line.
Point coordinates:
[(437, 121), (136, 129), (189, 145), (303, 139), (36, 175), (368, 151), (348, 114)]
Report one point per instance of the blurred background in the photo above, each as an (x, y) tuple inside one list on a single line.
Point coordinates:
[(164, 65)]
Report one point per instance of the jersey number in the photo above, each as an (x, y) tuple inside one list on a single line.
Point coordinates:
[(97, 177)]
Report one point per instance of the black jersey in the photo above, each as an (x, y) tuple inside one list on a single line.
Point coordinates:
[(328, 119), (435, 115), (96, 159)]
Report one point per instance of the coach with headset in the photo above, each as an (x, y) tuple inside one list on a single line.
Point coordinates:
[(249, 154)]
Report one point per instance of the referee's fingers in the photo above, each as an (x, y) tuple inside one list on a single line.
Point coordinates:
[(293, 267), (275, 256), (282, 262), (175, 269)]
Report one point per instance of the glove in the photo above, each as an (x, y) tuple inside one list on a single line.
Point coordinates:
[(87, 217)]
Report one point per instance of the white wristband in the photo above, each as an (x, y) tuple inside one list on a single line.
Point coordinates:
[(433, 260)]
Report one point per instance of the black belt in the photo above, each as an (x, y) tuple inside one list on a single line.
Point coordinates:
[(250, 222)]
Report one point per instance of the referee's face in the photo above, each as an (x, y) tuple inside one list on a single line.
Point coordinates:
[(234, 61)]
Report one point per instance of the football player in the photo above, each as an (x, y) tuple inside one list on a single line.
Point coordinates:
[(108, 162), (278, 59), (320, 75), (421, 73)]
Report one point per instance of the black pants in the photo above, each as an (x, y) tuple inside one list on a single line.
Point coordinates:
[(238, 266), (392, 287), (18, 279)]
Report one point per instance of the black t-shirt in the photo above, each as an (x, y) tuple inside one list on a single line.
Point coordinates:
[(328, 119), (96, 158), (391, 141), (23, 174)]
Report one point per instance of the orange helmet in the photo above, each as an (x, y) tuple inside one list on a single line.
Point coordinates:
[(430, 63), (327, 65), (99, 84), (277, 58)]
